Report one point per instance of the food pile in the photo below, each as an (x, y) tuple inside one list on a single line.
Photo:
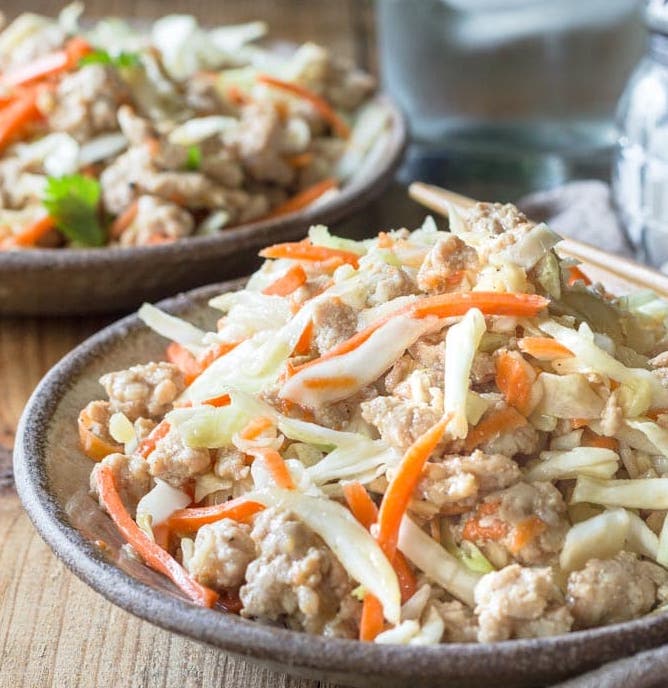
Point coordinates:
[(111, 136), (425, 437)]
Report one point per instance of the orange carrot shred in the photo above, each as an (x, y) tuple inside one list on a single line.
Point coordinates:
[(490, 303), (401, 487), (154, 556), (360, 504), (525, 531), (591, 439), (305, 341), (407, 580), (543, 348), (287, 283), (341, 382), (147, 445), (302, 199), (474, 530), (16, 117), (371, 623), (577, 423), (323, 108), (188, 520), (93, 446), (576, 275), (275, 464), (32, 233), (492, 425), (300, 250), (124, 220), (515, 378), (219, 401), (300, 160), (256, 427), (184, 361)]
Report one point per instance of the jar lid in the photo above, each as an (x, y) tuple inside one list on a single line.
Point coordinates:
[(656, 16)]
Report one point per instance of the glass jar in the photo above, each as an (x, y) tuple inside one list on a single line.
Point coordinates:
[(509, 94), (640, 171)]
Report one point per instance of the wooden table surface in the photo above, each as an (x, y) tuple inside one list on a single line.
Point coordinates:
[(54, 630)]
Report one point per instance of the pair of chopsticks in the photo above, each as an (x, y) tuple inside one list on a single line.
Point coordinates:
[(439, 200)]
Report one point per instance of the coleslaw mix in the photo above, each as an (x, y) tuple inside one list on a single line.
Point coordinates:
[(111, 135), (422, 437)]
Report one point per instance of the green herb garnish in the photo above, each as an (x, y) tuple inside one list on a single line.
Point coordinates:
[(102, 57), (73, 203), (194, 158)]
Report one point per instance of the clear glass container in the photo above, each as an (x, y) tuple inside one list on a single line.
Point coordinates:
[(509, 94), (640, 170)]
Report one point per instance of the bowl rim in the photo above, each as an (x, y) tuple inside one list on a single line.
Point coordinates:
[(255, 232), (291, 650)]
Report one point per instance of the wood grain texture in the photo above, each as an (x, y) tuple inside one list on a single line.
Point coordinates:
[(54, 630)]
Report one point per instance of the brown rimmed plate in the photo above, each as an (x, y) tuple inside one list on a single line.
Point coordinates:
[(52, 479), (101, 280)]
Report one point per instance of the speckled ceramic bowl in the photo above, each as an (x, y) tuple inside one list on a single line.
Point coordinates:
[(82, 281), (52, 479)]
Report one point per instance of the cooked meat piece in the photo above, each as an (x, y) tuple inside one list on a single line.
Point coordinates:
[(614, 590), (99, 413), (119, 179), (223, 550), (230, 464), (430, 355), (345, 87), (146, 391), (296, 579), (333, 323), (527, 520), (496, 218), (220, 165), (443, 267), (86, 102), (143, 427), (131, 478), (483, 370), (202, 95), (455, 483), (398, 421), (175, 462), (388, 283), (137, 130), (347, 620), (461, 625), (157, 218), (399, 373), (256, 142), (524, 440), (519, 602), (340, 415)]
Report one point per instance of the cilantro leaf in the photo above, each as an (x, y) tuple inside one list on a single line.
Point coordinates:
[(194, 159), (119, 61), (72, 201)]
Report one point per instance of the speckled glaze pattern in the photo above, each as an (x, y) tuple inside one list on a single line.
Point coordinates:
[(52, 479), (85, 281)]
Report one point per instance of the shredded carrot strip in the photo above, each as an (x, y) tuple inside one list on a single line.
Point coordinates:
[(301, 250), (515, 378), (31, 234), (276, 466), (407, 580), (16, 117), (188, 520), (147, 445), (492, 425), (256, 427), (490, 303), (184, 361), (360, 504), (543, 348), (323, 108), (219, 401), (300, 160), (93, 446), (577, 423), (576, 275), (371, 623), (124, 220), (526, 531), (475, 531), (401, 487), (653, 414), (330, 382), (47, 65), (302, 199), (236, 96), (161, 535), (154, 556), (385, 240), (287, 283), (591, 439), (306, 340)]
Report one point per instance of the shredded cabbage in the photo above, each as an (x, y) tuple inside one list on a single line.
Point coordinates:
[(529, 250), (568, 396), (161, 502), (561, 465), (100, 148), (662, 549), (398, 635), (198, 129), (171, 327), (431, 631), (657, 435), (599, 537), (436, 562), (320, 236), (640, 538), (359, 554), (121, 429), (207, 426), (640, 493), (461, 344)]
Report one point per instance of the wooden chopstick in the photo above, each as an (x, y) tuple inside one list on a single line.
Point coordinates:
[(439, 200)]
